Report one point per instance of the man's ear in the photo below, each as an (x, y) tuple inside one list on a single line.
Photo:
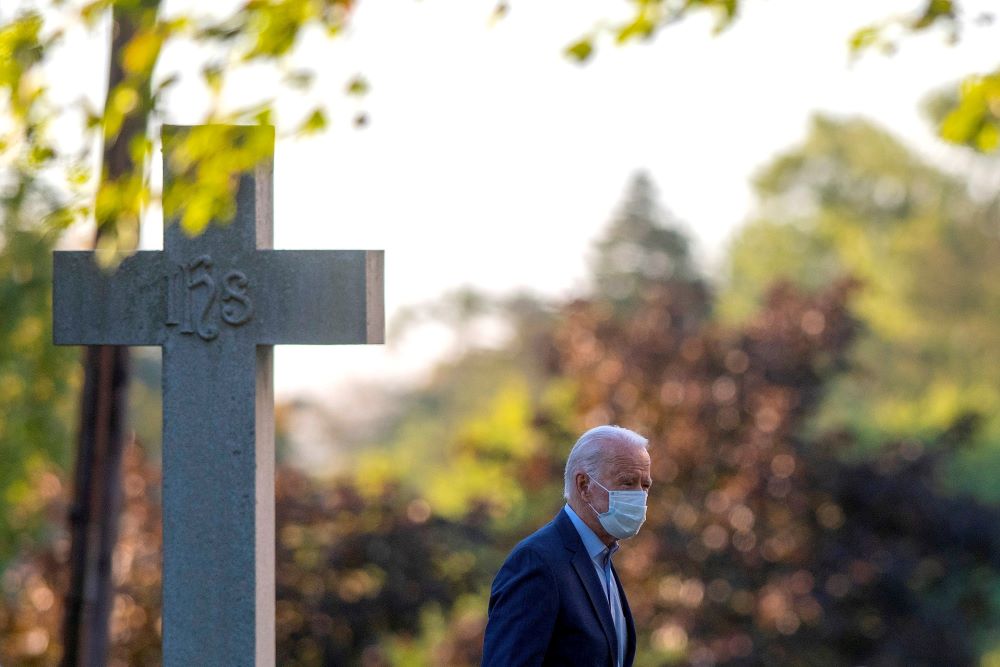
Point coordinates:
[(583, 485)]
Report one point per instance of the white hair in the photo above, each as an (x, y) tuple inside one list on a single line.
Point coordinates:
[(587, 454)]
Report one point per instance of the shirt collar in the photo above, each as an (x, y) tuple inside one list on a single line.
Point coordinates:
[(591, 542)]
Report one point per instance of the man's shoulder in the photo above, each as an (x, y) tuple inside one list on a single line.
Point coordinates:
[(547, 541)]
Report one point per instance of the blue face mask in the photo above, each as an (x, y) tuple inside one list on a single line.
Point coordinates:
[(626, 512)]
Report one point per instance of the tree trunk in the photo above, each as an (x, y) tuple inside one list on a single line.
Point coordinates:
[(97, 491), (96, 503)]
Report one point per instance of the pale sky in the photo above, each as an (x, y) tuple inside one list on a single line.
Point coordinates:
[(492, 161)]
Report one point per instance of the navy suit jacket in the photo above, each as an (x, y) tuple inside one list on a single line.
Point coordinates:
[(547, 605)]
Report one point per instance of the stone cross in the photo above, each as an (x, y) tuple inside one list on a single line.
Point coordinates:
[(217, 303)]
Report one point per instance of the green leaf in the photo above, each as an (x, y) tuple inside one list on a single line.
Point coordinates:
[(988, 138), (357, 86), (864, 38), (141, 53), (212, 74), (726, 10), (92, 11), (78, 175), (93, 120), (264, 115), (580, 51), (41, 154), (300, 78), (933, 12), (642, 26), (974, 119), (60, 218), (315, 122), (166, 83)]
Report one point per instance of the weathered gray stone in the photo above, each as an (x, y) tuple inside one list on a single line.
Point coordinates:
[(216, 303)]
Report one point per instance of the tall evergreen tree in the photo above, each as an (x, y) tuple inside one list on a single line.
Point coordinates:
[(643, 247)]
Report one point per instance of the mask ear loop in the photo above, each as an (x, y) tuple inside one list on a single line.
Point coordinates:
[(599, 484), (599, 515)]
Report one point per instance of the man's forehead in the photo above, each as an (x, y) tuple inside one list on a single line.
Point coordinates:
[(625, 457)]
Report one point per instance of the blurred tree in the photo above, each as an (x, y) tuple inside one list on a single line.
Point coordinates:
[(854, 201), (93, 515), (353, 569), (36, 379), (762, 547), (254, 34), (482, 413), (33, 590), (116, 200), (641, 248), (356, 568)]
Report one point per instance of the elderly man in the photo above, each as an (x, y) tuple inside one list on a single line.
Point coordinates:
[(557, 599)]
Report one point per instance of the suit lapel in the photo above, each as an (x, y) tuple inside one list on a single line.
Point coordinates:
[(585, 570), (588, 576)]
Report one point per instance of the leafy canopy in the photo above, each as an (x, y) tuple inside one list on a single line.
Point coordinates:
[(973, 116), (256, 33), (852, 201)]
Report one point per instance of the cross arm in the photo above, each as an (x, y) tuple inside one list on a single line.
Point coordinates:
[(92, 306), (321, 297)]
